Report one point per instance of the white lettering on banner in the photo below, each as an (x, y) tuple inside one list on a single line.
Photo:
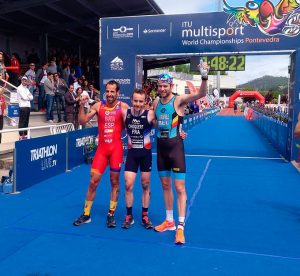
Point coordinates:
[(203, 41), (87, 140), (187, 24), (120, 81), (117, 64), (48, 163), (43, 152), (209, 31), (154, 31), (123, 32)]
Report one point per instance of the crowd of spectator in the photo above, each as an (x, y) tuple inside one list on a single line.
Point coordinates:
[(278, 113), (49, 81)]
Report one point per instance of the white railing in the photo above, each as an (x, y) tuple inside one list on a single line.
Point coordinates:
[(53, 129), (7, 90), (8, 97)]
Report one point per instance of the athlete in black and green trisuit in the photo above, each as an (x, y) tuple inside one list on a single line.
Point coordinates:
[(169, 110)]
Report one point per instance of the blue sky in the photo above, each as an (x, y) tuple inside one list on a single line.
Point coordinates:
[(256, 66)]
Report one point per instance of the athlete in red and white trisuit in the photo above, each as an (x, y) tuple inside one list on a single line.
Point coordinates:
[(109, 151)]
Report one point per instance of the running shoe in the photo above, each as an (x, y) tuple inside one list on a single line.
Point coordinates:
[(128, 222), (179, 237), (110, 222), (166, 225), (82, 220), (146, 222)]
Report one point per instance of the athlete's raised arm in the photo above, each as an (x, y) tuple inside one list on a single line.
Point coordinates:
[(84, 118), (199, 93)]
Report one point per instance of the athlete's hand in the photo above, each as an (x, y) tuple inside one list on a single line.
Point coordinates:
[(183, 134), (203, 68), (84, 99)]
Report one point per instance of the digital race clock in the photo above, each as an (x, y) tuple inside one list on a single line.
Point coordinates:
[(220, 63)]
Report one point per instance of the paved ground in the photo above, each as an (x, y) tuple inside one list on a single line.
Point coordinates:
[(230, 112)]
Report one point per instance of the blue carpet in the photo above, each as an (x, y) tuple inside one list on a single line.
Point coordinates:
[(229, 136), (243, 217)]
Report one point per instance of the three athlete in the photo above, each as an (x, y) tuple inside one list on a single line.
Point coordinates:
[(112, 116)]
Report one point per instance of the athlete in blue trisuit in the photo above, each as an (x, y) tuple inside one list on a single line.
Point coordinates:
[(169, 112)]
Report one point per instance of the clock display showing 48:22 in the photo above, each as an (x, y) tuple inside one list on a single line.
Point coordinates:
[(225, 63)]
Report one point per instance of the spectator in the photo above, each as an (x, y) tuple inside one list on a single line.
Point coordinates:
[(49, 90), (41, 76), (24, 98), (52, 68), (60, 68), (2, 108), (297, 128), (3, 72), (30, 74), (195, 107), (94, 94), (78, 70), (66, 73), (78, 94), (235, 106), (71, 101), (15, 73), (60, 91), (72, 77), (78, 83)]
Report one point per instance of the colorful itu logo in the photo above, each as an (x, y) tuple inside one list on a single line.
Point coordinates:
[(280, 19)]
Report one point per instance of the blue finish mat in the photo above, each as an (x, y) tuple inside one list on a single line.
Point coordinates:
[(243, 216)]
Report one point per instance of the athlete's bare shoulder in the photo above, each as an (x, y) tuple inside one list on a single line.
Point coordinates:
[(151, 117), (96, 106), (124, 105), (124, 108), (155, 103)]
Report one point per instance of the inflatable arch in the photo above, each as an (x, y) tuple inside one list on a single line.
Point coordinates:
[(246, 94)]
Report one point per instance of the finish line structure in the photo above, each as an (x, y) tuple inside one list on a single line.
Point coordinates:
[(126, 42)]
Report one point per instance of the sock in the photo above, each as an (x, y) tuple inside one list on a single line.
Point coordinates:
[(129, 211), (112, 207), (181, 222), (144, 212), (169, 215), (87, 207)]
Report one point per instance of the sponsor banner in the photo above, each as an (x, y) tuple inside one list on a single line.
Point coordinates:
[(235, 30), (80, 143), (121, 68), (275, 131), (139, 73), (13, 111), (294, 105), (39, 159)]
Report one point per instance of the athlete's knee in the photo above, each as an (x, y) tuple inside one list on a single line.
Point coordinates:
[(94, 182), (128, 188), (166, 185), (146, 185), (180, 189)]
